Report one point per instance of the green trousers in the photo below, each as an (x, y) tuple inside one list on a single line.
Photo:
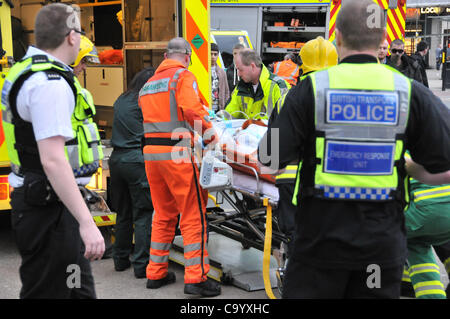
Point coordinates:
[(131, 200), (427, 225)]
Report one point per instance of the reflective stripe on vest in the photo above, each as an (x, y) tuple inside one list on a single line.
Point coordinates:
[(358, 144), (289, 78), (162, 85)]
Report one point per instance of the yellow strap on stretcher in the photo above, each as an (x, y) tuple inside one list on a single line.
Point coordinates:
[(267, 250)]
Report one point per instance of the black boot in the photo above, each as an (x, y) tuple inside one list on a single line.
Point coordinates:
[(121, 264), (155, 284), (208, 288)]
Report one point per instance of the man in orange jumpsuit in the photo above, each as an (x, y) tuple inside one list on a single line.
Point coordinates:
[(287, 69), (171, 109)]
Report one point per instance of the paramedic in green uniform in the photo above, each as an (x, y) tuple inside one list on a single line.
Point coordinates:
[(130, 192), (427, 224)]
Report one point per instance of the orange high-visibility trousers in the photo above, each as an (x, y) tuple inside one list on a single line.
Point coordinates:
[(176, 191)]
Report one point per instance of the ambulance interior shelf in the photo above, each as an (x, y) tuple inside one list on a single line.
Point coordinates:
[(286, 30)]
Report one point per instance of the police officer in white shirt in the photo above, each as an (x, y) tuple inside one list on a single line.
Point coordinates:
[(56, 240)]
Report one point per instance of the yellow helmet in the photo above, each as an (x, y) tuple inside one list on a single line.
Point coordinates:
[(119, 16), (317, 54), (88, 50)]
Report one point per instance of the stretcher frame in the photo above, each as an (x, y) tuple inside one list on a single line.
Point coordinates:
[(246, 223)]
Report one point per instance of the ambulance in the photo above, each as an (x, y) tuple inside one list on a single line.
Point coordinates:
[(141, 35), (278, 27)]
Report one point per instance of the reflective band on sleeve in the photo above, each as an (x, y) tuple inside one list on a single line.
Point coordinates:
[(159, 259), (356, 192), (160, 246)]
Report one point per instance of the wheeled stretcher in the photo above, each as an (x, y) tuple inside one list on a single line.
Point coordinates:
[(243, 195)]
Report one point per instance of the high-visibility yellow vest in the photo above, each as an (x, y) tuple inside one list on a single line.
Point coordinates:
[(244, 103), (361, 113), (83, 152)]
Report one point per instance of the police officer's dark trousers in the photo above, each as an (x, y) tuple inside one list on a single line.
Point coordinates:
[(285, 212), (130, 196), (49, 242)]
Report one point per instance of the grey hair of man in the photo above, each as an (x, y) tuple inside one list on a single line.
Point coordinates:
[(178, 47), (53, 23), (249, 56), (362, 24), (238, 46)]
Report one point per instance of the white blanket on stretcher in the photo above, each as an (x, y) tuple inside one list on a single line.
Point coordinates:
[(245, 141)]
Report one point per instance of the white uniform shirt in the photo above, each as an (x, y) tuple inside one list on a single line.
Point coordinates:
[(47, 104)]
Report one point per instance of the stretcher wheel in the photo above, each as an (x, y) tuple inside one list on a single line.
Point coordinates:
[(227, 278)]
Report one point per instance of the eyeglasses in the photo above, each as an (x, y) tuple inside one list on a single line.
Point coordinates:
[(397, 51), (77, 31)]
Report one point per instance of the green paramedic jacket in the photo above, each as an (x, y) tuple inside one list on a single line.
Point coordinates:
[(359, 129), (83, 152), (245, 103), (424, 194)]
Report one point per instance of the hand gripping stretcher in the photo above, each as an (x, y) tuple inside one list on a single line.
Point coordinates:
[(231, 173)]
